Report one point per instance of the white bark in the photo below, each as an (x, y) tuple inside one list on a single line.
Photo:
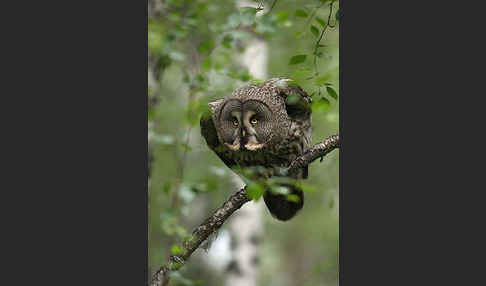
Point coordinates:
[(255, 58), (246, 226), (246, 230)]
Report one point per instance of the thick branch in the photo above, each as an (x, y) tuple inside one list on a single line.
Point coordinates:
[(216, 220)]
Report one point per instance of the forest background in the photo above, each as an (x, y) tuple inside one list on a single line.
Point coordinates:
[(197, 53)]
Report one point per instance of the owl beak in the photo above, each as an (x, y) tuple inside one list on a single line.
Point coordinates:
[(243, 132)]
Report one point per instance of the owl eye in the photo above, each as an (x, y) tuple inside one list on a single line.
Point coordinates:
[(235, 121), (253, 121)]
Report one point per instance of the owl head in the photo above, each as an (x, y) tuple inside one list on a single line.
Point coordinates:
[(252, 116)]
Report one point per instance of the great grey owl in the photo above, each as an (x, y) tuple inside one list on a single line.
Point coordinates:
[(265, 126)]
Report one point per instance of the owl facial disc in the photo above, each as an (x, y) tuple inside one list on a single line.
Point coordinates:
[(245, 125)]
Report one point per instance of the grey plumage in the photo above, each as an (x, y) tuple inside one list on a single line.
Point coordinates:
[(266, 125)]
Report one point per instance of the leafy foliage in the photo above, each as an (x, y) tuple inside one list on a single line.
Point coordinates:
[(297, 59), (314, 30), (301, 13)]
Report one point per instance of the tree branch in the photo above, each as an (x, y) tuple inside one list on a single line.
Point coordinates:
[(319, 150), (216, 220)]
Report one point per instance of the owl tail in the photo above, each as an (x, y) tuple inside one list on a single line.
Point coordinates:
[(280, 206)]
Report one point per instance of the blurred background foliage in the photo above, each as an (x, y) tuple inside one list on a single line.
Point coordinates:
[(193, 47)]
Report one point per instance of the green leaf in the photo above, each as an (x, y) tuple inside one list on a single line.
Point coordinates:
[(247, 17), (297, 59), (307, 188), (332, 92), (176, 249), (300, 75), (201, 78), (265, 25), (248, 10), (244, 76), (292, 99), (206, 64), (321, 104), (301, 13), (206, 47), (227, 40), (171, 226), (166, 188), (314, 31), (280, 190), (254, 191), (282, 17), (321, 80), (321, 21), (292, 198), (202, 7)]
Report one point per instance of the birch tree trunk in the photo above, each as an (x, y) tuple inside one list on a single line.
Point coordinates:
[(246, 226), (246, 230)]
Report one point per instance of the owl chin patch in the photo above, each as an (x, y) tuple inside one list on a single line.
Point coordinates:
[(253, 147), (249, 146)]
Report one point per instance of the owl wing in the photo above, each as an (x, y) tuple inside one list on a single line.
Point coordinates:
[(208, 131), (298, 106)]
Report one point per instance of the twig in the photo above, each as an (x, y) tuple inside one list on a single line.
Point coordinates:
[(313, 14), (216, 220), (274, 2), (320, 38)]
